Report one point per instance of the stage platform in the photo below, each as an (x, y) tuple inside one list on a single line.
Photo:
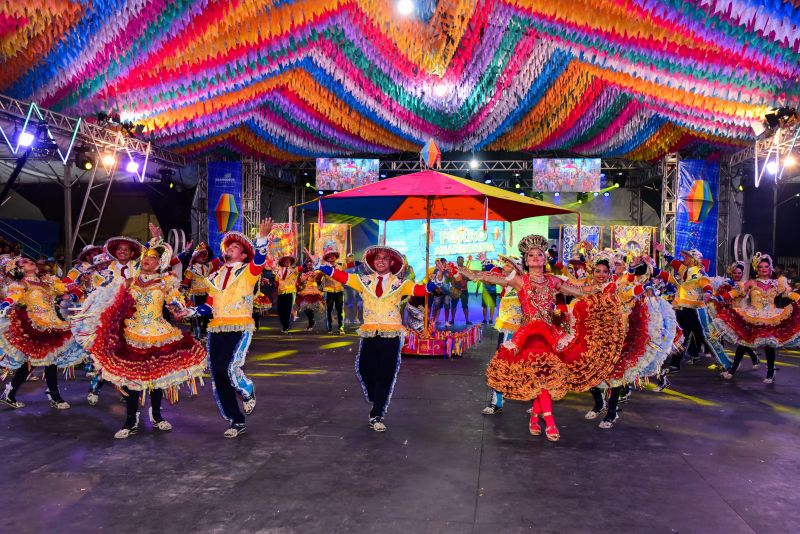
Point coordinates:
[(705, 456)]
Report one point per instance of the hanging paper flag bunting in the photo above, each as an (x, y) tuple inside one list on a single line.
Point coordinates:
[(305, 79), (699, 201)]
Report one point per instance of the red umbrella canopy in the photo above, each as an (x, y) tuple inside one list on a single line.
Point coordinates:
[(406, 197)]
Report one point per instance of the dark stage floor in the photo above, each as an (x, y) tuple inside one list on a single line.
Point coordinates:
[(708, 456)]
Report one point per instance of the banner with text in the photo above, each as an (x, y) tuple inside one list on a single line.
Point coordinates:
[(224, 201)]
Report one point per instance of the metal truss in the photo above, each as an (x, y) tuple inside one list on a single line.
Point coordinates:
[(669, 200), (252, 170), (103, 138), (636, 206), (725, 198), (200, 204), (479, 166), (91, 214)]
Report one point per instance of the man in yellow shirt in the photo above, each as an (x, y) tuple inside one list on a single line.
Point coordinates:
[(230, 304), (334, 292), (378, 359)]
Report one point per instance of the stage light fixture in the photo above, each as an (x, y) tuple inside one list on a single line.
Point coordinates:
[(557, 194), (308, 184), (583, 198), (596, 193), (109, 160), (772, 167), (473, 163), (132, 166), (741, 187), (320, 192), (790, 160), (405, 7), (616, 185), (26, 139), (522, 193), (84, 159)]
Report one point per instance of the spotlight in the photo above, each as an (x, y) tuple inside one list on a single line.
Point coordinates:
[(616, 184), (84, 159), (557, 194), (516, 174), (405, 7), (517, 185), (320, 192), (383, 175), (741, 187), (109, 160), (305, 173), (308, 184), (473, 163), (772, 167), (26, 139), (605, 194), (790, 160), (132, 166), (595, 193), (487, 181), (522, 193)]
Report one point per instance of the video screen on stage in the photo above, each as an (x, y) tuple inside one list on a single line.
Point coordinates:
[(338, 174), (574, 175)]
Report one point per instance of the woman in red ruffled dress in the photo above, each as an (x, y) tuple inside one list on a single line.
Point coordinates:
[(757, 322), (123, 328), (546, 358)]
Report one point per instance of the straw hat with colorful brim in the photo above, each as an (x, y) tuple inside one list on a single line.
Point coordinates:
[(397, 263), (241, 239), (513, 260), (198, 250), (694, 254), (287, 260), (89, 250), (113, 243)]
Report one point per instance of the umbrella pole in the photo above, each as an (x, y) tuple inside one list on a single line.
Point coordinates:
[(427, 256)]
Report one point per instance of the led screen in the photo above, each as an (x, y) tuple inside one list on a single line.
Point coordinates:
[(566, 175), (338, 174)]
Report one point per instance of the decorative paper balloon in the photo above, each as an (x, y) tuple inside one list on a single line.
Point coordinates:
[(226, 212), (430, 155), (699, 201)]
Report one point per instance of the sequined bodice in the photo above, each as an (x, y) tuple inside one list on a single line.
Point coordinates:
[(149, 302), (147, 325), (761, 298), (40, 300), (537, 299)]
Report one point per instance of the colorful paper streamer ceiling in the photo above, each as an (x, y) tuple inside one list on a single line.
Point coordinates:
[(286, 80)]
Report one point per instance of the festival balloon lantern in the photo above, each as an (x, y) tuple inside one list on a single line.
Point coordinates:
[(699, 201), (430, 155), (226, 212)]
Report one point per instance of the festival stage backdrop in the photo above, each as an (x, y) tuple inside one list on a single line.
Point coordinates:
[(569, 238), (331, 236), (224, 200), (338, 174), (633, 240), (574, 175), (450, 238), (282, 241), (701, 235)]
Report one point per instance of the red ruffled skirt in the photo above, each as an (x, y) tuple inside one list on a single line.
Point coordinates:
[(21, 341), (561, 361), (141, 368), (780, 331)]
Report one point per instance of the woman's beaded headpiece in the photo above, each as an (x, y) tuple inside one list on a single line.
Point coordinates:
[(533, 241)]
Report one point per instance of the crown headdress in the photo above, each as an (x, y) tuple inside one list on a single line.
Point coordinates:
[(533, 241)]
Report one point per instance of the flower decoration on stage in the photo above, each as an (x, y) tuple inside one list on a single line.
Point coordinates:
[(699, 201), (430, 155), (226, 212)]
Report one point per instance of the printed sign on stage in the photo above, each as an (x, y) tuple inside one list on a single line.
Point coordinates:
[(702, 234), (450, 238), (569, 239), (632, 240), (224, 200), (338, 174), (282, 241), (330, 237), (575, 175)]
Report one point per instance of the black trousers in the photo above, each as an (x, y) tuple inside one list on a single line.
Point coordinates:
[(50, 376), (693, 337), (334, 300), (377, 366), (132, 405), (741, 350), (221, 347), (285, 304)]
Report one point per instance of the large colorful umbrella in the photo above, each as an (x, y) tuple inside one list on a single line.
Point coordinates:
[(433, 195)]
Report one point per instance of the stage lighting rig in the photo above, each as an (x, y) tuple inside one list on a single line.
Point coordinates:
[(85, 158), (781, 117), (582, 198)]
